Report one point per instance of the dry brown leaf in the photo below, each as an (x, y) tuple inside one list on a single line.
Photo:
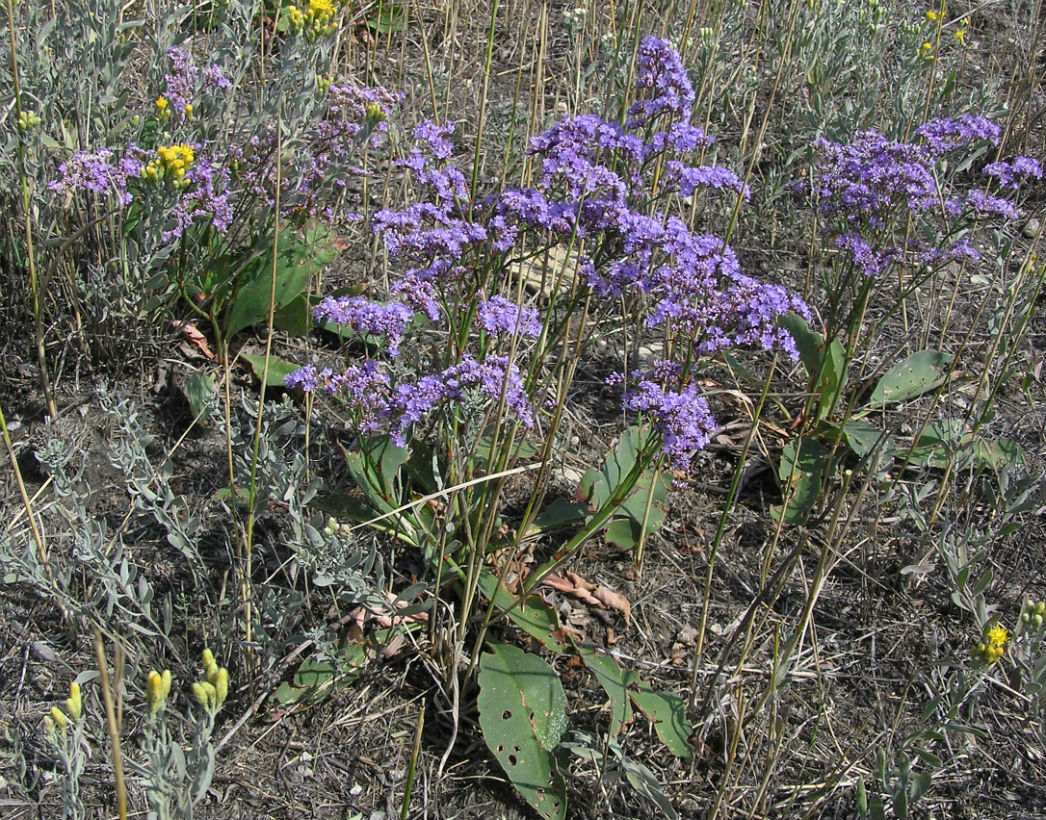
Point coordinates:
[(193, 336), (615, 601)]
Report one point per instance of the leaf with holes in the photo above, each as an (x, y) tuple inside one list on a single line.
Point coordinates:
[(918, 374), (522, 712)]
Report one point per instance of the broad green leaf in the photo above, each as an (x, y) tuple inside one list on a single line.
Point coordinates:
[(522, 713), (615, 681), (803, 464), (278, 368), (533, 615), (299, 259), (644, 782), (668, 714), (598, 486), (199, 392), (919, 373), (560, 513)]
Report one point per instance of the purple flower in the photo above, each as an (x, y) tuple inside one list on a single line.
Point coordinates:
[(686, 179), (962, 249), (1013, 173), (871, 261), (493, 379), (661, 74), (984, 204), (498, 315), (367, 317), (948, 133), (96, 172), (871, 177), (365, 391), (681, 138), (180, 81), (681, 417)]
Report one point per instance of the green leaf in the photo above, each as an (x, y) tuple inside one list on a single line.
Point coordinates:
[(522, 713), (295, 318), (316, 678), (803, 464), (861, 436), (390, 18), (668, 714), (615, 681), (299, 259), (560, 513), (598, 486), (826, 363), (533, 615), (644, 782), (278, 368), (199, 392), (918, 374), (947, 439)]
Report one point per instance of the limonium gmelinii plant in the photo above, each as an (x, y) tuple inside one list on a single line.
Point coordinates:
[(472, 364)]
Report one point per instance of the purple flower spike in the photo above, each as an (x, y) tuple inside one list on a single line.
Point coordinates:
[(365, 317), (1014, 173), (499, 315), (681, 417), (661, 72), (948, 133)]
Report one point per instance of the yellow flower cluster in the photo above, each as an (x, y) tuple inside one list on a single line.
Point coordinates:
[(157, 688), (992, 647), (211, 692), (317, 20), (1034, 615), (172, 161), (56, 721)]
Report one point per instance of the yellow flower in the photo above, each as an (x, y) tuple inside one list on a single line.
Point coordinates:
[(932, 16), (960, 34), (998, 635), (74, 703), (59, 718), (205, 695), (926, 51), (162, 107), (157, 688)]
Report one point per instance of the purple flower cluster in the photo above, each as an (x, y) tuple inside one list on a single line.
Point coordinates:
[(323, 160), (949, 133), (1014, 173), (870, 261), (865, 188), (868, 180), (376, 407), (493, 379), (499, 315), (661, 74), (206, 197), (603, 184), (364, 389), (681, 417), (182, 81), (100, 172), (367, 317)]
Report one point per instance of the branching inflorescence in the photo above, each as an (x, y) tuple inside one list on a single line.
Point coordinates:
[(605, 193)]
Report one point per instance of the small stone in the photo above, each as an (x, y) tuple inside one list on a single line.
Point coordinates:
[(1032, 228)]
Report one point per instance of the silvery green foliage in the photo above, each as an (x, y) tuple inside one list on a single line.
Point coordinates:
[(101, 583), (148, 484), (353, 570)]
